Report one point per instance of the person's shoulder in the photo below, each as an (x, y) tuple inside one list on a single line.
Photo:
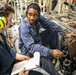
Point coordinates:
[(42, 18), (24, 23), (24, 26)]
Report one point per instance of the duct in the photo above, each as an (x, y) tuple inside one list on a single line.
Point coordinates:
[(65, 24), (15, 43), (73, 25), (15, 35), (70, 5), (14, 30), (72, 14), (54, 3)]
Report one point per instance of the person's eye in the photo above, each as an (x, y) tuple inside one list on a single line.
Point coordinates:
[(35, 15), (30, 14)]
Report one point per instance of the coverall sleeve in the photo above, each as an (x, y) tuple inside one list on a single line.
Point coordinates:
[(12, 52), (31, 46), (46, 23)]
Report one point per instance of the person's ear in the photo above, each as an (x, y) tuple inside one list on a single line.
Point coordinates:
[(26, 13), (2, 22)]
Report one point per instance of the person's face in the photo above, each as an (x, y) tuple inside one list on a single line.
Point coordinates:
[(9, 19), (32, 15), (9, 22)]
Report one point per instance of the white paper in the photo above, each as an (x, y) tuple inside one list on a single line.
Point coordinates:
[(28, 64)]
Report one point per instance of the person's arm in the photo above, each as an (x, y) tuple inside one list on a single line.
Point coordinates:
[(70, 35), (18, 56), (32, 47), (14, 54), (46, 23), (21, 57)]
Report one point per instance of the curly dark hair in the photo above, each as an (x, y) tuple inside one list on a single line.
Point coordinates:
[(5, 9), (34, 6)]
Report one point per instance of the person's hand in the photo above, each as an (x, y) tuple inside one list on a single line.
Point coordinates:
[(21, 57), (23, 72), (69, 35), (57, 54)]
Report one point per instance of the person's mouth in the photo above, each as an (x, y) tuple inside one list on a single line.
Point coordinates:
[(31, 21)]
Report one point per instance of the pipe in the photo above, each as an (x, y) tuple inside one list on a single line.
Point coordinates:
[(67, 66), (74, 72)]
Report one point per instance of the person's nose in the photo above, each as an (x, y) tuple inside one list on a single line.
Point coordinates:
[(32, 17), (11, 22)]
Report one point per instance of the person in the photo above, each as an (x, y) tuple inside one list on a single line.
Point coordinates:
[(8, 56), (30, 40), (31, 72)]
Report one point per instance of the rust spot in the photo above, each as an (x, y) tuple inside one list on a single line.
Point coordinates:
[(72, 48)]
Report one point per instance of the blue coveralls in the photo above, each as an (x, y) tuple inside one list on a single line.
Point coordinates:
[(7, 57), (30, 41)]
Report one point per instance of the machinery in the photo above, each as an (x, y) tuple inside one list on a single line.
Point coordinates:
[(62, 12)]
